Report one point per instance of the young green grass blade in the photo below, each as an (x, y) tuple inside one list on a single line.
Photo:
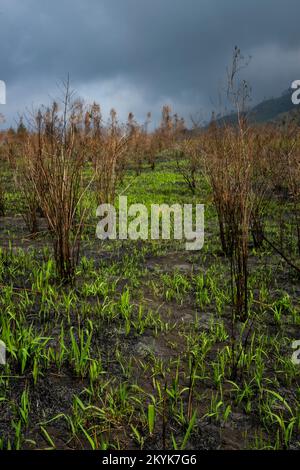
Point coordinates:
[(151, 418), (189, 431)]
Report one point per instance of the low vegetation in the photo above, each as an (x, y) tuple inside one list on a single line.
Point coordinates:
[(123, 344)]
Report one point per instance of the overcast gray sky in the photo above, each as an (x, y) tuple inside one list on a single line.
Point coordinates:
[(136, 55)]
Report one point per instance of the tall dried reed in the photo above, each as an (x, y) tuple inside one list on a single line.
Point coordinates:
[(54, 155)]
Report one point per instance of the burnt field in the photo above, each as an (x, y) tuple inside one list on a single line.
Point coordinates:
[(141, 344)]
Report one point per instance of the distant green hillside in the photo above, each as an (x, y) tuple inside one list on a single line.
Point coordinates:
[(273, 109), (269, 110)]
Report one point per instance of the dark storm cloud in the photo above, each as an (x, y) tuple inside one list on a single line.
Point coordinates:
[(138, 54)]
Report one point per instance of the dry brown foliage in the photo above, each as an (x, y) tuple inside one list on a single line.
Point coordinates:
[(54, 155)]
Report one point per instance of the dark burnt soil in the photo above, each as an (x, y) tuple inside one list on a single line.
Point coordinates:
[(53, 394)]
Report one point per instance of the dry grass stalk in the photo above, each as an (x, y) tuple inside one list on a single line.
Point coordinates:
[(55, 156)]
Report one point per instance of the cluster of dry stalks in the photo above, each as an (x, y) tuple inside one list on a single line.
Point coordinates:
[(245, 165), (230, 160), (247, 168), (51, 178), (53, 156)]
